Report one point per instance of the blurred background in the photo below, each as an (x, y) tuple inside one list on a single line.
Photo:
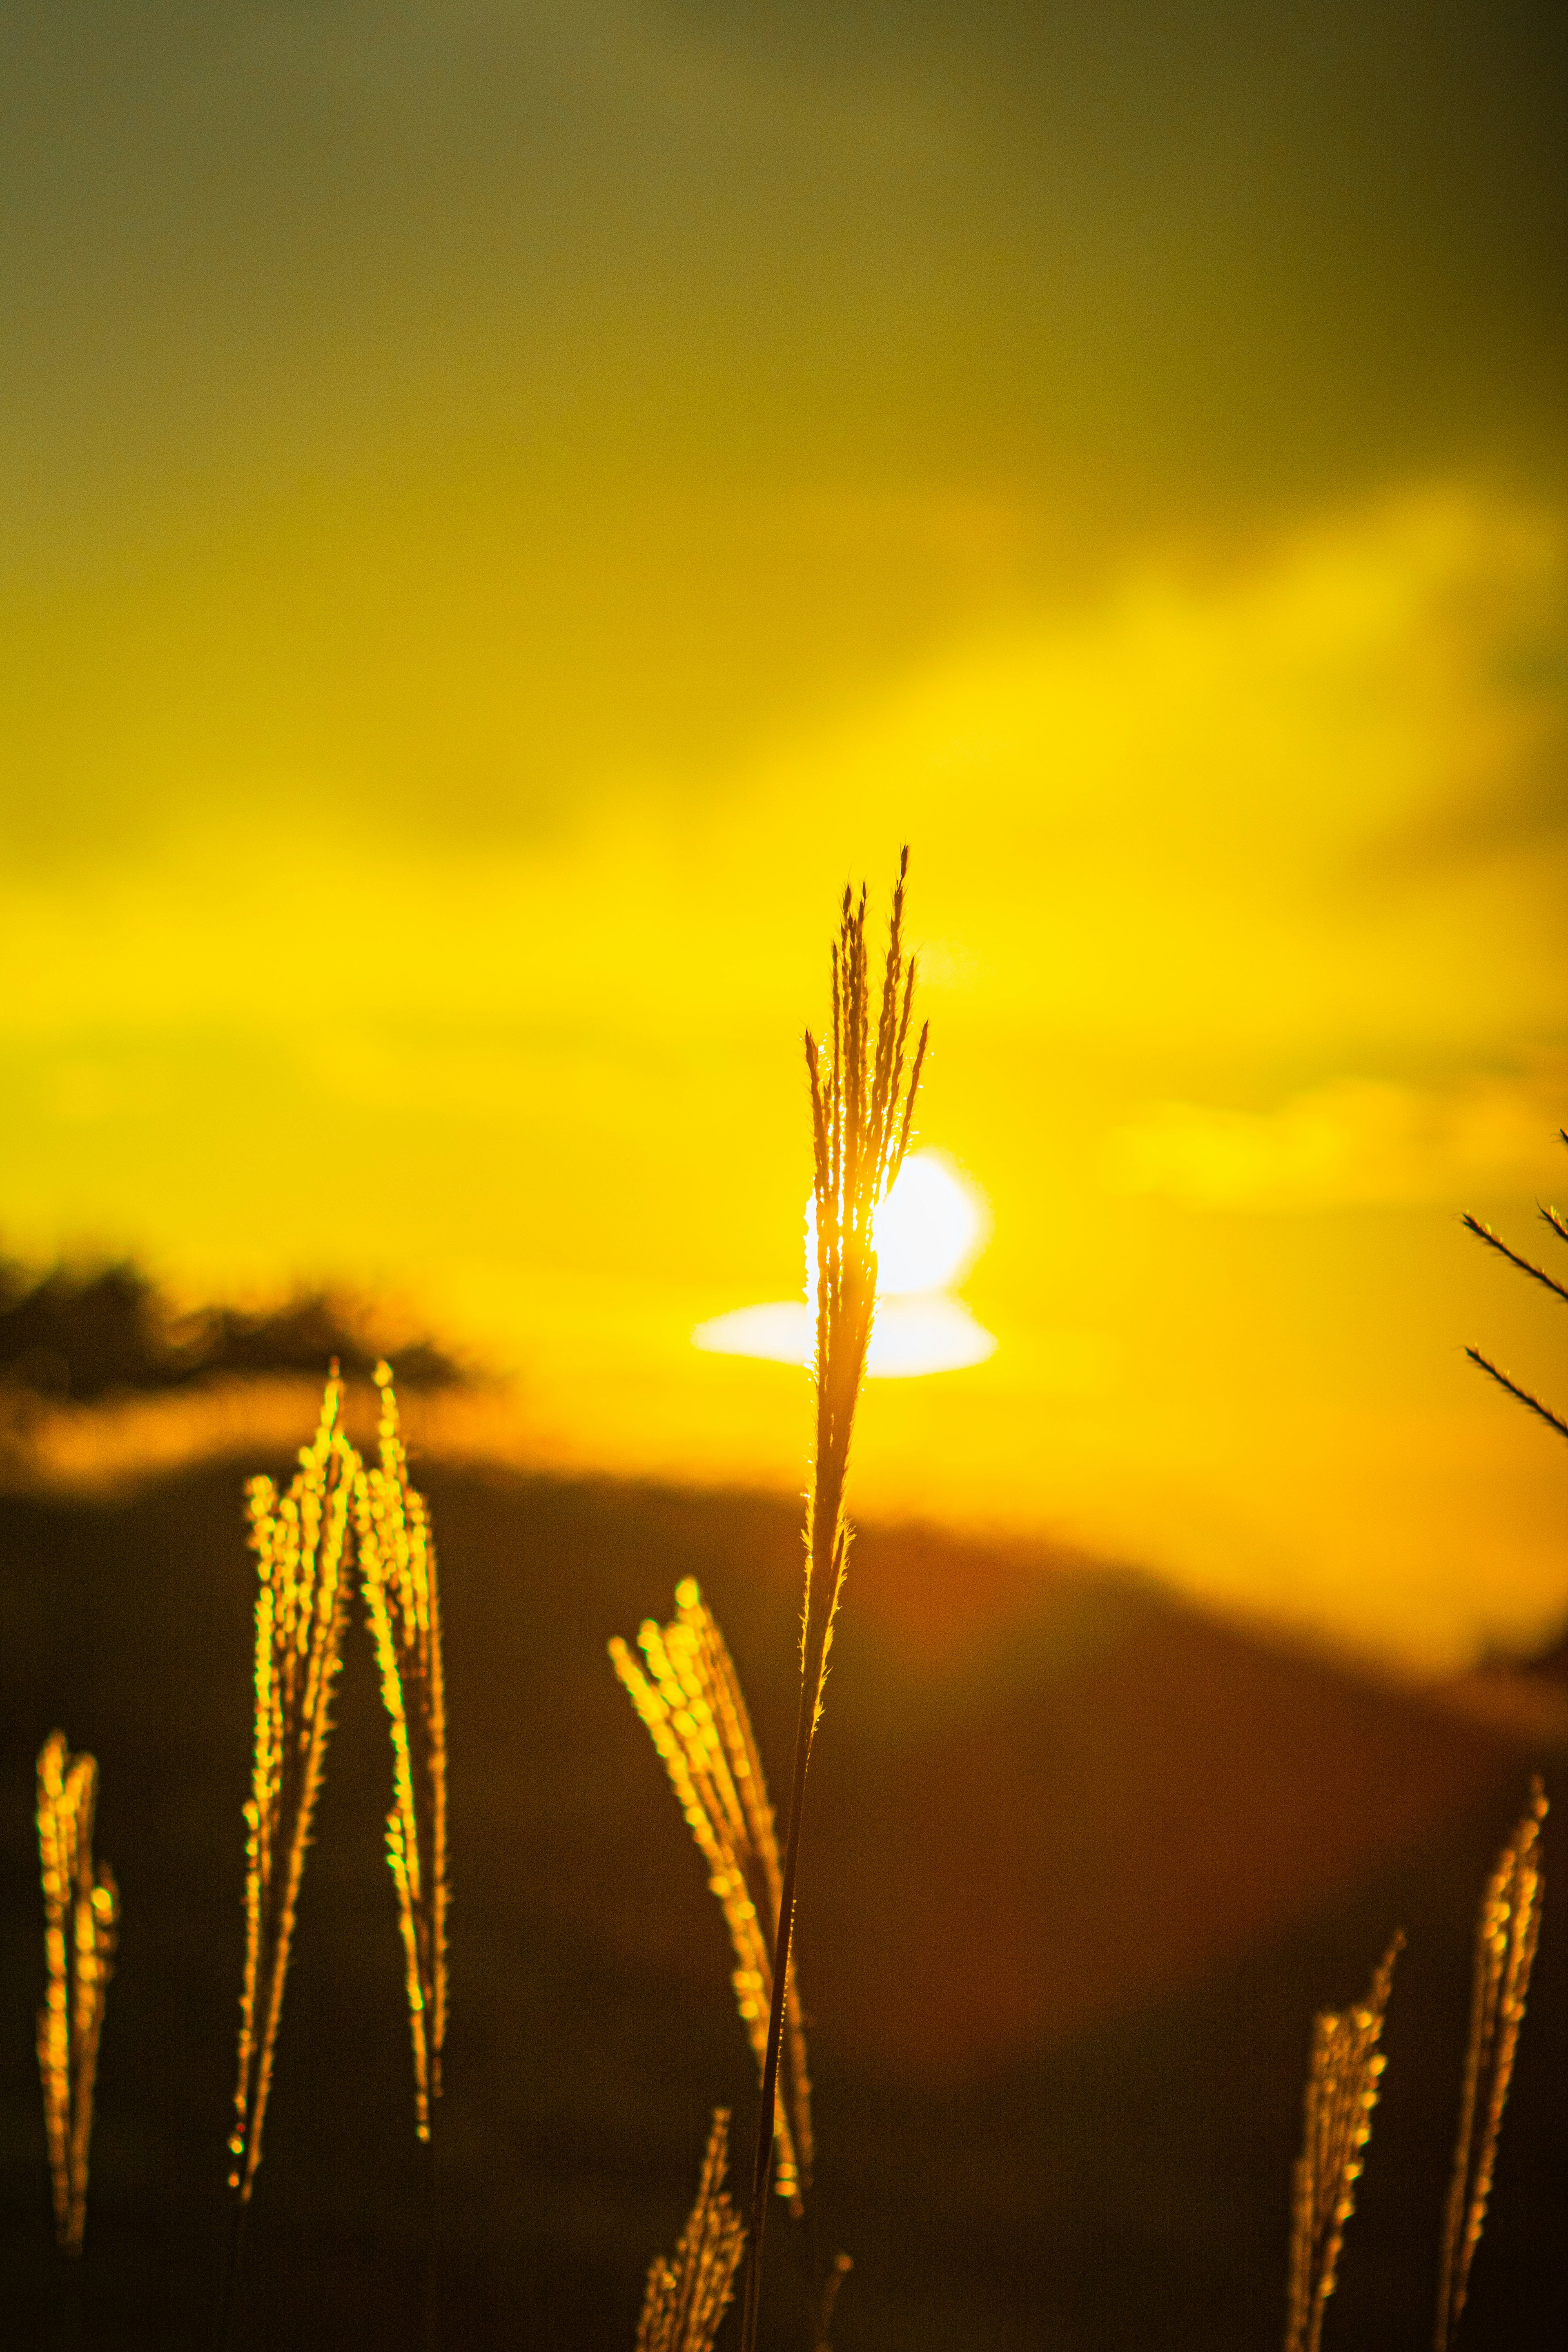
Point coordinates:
[(508, 509)]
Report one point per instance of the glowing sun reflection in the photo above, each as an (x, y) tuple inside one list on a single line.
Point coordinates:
[(928, 1231)]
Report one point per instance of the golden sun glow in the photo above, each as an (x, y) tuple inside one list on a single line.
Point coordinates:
[(928, 1231)]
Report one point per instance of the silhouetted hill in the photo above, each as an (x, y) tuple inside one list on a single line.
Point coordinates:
[(1080, 1863), (80, 1334)]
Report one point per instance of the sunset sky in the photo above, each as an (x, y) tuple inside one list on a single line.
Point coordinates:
[(506, 507)]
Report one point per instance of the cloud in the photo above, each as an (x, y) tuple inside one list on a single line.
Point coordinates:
[(1355, 1140)]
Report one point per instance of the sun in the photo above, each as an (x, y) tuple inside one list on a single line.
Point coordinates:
[(928, 1232)]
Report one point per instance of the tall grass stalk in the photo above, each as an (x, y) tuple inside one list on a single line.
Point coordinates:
[(686, 2299), (397, 1578), (301, 1539), (690, 1698), (1507, 1928), (862, 1108), (1342, 2081), (81, 1917)]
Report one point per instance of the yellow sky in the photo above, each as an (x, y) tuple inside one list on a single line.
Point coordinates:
[(505, 510), (1243, 953)]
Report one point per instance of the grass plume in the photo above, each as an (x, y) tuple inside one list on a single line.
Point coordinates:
[(301, 1539), (1342, 2083), (863, 1089), (1507, 1928), (397, 1577), (690, 1698), (81, 1917), (687, 2298)]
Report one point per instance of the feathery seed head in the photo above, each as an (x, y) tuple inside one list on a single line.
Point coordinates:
[(690, 1698), (1507, 1928), (1342, 2086), (398, 1579), (687, 2298), (81, 1915), (301, 1539), (862, 1117)]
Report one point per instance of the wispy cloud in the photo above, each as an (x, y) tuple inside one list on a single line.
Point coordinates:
[(1353, 1140)]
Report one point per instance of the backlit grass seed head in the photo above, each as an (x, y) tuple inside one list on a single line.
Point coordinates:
[(690, 1698), (301, 1540), (863, 1089), (1506, 1929), (397, 1577), (687, 2298), (1342, 2091), (81, 1917)]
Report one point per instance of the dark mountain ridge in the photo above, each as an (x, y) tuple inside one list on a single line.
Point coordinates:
[(1080, 1863)]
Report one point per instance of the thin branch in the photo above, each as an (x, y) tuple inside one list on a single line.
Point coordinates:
[(1556, 1219), (1536, 1273), (1514, 1390)]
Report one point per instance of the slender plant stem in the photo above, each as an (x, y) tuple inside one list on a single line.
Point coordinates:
[(431, 2284), (827, 1540), (233, 2256), (762, 2170), (73, 2301)]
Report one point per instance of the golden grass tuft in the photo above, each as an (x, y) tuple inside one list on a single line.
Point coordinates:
[(397, 1577), (687, 2298), (862, 1114), (1342, 2091), (82, 1919), (301, 1539), (690, 1698), (863, 1090), (1506, 1929)]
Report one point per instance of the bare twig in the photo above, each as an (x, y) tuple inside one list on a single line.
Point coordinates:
[(1526, 1265), (1534, 1404)]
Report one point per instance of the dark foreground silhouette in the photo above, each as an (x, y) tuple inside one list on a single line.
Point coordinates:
[(1081, 1864)]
